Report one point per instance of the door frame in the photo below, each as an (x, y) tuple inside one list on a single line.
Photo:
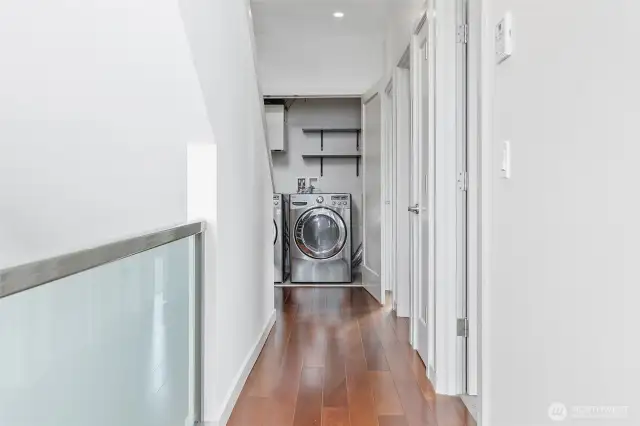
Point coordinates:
[(397, 151), (402, 157), (462, 202), (388, 198), (470, 12), (372, 281), (477, 202)]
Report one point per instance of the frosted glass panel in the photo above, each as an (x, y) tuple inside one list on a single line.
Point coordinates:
[(111, 346)]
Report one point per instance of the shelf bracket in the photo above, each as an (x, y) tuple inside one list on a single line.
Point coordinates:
[(321, 149), (358, 166), (358, 141)]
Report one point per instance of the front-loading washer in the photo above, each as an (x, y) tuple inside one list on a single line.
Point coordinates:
[(281, 261), (320, 238)]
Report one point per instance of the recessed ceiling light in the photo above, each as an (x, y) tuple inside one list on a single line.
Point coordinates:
[(338, 15)]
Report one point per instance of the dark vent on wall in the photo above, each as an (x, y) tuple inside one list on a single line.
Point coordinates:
[(274, 102)]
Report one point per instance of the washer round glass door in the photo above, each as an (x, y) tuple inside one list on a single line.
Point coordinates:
[(320, 233)]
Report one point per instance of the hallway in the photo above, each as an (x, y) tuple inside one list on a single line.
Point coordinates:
[(336, 358)]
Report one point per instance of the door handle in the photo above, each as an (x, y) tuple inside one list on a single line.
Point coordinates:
[(415, 209)]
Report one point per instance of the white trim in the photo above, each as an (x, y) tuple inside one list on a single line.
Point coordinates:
[(374, 273), (486, 89), (243, 374), (367, 276), (370, 96), (386, 185), (474, 129), (421, 23), (473, 405), (373, 280), (414, 176), (432, 376), (363, 145)]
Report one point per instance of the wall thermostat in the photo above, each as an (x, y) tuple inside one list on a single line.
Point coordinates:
[(504, 38)]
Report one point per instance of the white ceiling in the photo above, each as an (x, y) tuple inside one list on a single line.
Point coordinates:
[(362, 17)]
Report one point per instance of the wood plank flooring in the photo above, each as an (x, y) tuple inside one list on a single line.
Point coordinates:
[(337, 358)]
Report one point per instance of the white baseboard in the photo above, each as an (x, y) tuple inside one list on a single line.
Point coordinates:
[(241, 378), (371, 281), (431, 375), (473, 405), (371, 271)]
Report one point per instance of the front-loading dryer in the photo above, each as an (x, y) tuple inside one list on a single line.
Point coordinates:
[(320, 238), (281, 238)]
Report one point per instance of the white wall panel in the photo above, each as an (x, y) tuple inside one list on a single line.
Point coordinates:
[(242, 281), (94, 123), (559, 312), (318, 64)]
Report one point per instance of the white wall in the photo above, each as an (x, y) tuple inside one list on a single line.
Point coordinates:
[(339, 173), (372, 161), (94, 123), (303, 50), (400, 29), (311, 65), (559, 312), (95, 119), (242, 304)]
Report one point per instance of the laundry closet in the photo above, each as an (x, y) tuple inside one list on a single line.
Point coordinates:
[(316, 146)]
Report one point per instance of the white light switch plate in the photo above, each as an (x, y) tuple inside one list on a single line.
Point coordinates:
[(505, 168), (504, 38)]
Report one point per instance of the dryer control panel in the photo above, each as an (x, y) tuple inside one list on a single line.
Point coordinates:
[(340, 200)]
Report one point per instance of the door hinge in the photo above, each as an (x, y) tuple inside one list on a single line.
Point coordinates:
[(463, 181), (463, 33), (463, 327)]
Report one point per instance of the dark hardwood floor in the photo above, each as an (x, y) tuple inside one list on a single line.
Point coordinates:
[(336, 358)]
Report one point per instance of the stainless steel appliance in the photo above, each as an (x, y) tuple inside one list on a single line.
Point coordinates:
[(320, 238), (281, 260)]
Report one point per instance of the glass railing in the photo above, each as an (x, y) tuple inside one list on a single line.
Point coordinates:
[(109, 336)]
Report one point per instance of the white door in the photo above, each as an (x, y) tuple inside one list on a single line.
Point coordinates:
[(402, 190), (423, 196), (372, 211)]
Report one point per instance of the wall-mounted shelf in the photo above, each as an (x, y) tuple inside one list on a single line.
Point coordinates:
[(331, 130), (322, 155), (329, 155)]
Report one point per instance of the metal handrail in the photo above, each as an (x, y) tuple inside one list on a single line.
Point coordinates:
[(34, 274)]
